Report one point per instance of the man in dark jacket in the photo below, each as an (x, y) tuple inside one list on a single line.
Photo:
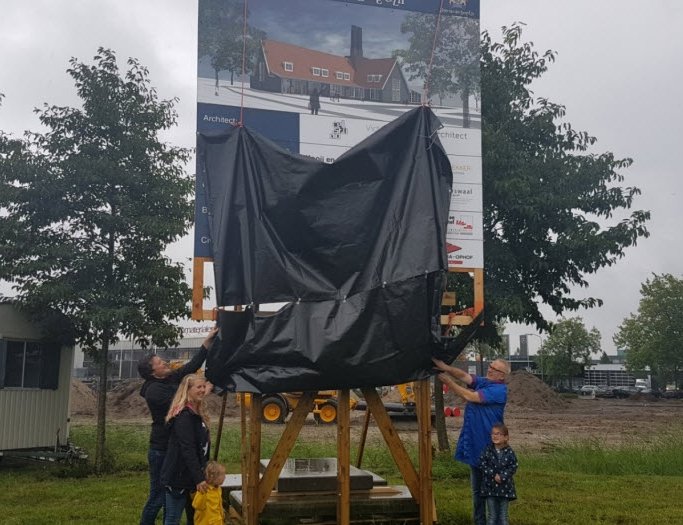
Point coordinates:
[(161, 383)]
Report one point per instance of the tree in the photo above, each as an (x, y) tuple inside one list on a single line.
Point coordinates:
[(549, 204), (653, 337), (223, 39), (568, 349), (449, 63), (91, 204), (605, 359)]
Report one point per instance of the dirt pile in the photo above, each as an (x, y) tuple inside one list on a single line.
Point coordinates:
[(526, 391), (125, 402), (83, 400)]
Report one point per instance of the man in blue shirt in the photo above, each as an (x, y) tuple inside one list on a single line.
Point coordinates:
[(486, 397)]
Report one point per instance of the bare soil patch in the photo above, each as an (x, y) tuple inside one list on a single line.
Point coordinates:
[(537, 416)]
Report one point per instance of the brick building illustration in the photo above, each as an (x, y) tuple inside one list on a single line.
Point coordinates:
[(286, 68)]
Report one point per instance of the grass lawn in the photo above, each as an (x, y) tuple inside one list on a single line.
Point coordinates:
[(574, 484)]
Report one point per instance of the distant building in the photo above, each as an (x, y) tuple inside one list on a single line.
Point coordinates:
[(286, 68), (124, 356), (608, 375)]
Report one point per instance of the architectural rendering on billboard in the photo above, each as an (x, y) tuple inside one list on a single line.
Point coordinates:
[(319, 76)]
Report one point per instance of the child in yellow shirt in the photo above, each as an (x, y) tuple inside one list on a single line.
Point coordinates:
[(209, 505)]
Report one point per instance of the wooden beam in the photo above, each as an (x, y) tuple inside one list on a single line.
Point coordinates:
[(244, 448), (478, 290), (251, 494), (198, 288), (284, 447), (424, 421), (343, 457), (457, 320), (393, 441), (363, 438)]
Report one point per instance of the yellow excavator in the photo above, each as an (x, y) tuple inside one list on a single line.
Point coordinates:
[(276, 407)]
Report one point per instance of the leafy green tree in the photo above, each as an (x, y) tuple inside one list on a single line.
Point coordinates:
[(222, 37), (568, 349), (605, 359), (549, 203), (653, 337), (449, 63), (90, 205)]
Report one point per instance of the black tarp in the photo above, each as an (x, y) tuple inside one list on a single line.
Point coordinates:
[(356, 248)]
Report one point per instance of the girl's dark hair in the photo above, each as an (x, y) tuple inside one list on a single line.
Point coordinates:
[(145, 366), (502, 428)]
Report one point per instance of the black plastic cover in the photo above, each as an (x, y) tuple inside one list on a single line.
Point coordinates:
[(357, 249)]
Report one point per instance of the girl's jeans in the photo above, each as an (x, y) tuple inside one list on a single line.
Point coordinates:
[(497, 510)]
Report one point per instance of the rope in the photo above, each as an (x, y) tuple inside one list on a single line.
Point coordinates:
[(425, 93), (244, 62)]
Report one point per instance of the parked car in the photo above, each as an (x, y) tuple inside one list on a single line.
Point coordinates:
[(622, 392), (588, 392)]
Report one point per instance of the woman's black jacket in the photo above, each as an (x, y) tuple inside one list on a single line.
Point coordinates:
[(188, 451)]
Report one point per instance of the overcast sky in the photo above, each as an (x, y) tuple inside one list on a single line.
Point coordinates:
[(618, 72)]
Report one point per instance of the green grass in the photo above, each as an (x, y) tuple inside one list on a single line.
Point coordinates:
[(579, 483)]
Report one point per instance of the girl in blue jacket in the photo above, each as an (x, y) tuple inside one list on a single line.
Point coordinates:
[(498, 465)]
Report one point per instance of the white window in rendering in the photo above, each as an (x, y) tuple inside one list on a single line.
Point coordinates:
[(347, 76), (316, 71), (340, 75), (289, 66), (325, 72)]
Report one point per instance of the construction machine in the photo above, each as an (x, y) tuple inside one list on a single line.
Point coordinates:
[(276, 407)]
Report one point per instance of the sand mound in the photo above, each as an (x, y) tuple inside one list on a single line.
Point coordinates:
[(83, 399), (125, 402), (527, 391)]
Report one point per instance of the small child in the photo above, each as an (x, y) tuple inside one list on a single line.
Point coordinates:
[(209, 505), (498, 464)]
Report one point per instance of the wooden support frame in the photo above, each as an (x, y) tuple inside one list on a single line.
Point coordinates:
[(256, 489)]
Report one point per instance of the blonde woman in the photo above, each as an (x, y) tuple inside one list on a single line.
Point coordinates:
[(188, 449)]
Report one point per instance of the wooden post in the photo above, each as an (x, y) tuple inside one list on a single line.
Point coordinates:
[(478, 290), (343, 458), (244, 451), (219, 432), (284, 447), (363, 438), (424, 421), (396, 447), (251, 496)]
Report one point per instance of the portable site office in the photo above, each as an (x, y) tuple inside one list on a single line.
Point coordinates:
[(35, 378)]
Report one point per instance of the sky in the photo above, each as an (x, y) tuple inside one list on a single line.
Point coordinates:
[(618, 72)]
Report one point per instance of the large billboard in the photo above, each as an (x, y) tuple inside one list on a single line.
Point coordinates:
[(319, 76)]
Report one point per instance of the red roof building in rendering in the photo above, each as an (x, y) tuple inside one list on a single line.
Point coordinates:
[(286, 68)]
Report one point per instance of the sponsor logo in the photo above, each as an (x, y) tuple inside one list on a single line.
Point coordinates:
[(450, 248), (338, 129)]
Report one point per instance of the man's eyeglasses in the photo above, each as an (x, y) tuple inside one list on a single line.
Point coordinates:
[(491, 367), (497, 434)]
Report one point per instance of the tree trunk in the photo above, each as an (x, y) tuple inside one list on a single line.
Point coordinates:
[(102, 406), (465, 95), (216, 87), (439, 416)]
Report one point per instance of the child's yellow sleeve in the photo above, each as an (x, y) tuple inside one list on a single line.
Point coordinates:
[(199, 501)]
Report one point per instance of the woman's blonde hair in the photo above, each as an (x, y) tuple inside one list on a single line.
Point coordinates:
[(180, 400)]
